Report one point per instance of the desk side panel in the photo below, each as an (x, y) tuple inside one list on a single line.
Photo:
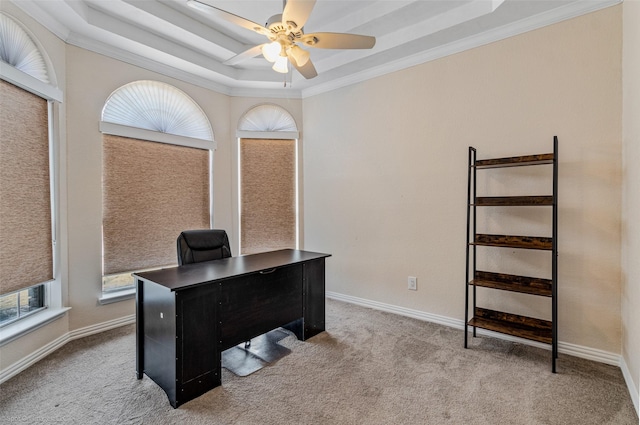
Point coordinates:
[(314, 297), (159, 337)]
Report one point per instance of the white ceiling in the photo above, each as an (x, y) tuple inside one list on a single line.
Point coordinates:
[(169, 37)]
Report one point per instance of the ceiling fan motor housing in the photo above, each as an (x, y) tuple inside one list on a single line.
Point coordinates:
[(278, 28)]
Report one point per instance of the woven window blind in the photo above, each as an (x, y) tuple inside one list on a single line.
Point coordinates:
[(151, 192), (26, 250), (268, 210)]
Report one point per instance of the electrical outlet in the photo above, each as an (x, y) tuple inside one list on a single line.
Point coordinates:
[(412, 283)]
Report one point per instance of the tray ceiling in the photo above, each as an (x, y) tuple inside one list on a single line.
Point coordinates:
[(169, 37)]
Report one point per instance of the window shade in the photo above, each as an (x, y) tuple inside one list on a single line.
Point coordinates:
[(268, 212), (26, 251), (151, 192), (19, 50)]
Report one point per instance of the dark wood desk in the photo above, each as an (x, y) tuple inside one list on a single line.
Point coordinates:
[(186, 316)]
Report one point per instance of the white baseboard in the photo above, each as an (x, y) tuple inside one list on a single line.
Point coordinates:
[(563, 347), (402, 311), (635, 394), (101, 327), (32, 358), (59, 342)]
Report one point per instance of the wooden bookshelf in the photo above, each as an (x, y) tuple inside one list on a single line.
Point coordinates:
[(545, 331)]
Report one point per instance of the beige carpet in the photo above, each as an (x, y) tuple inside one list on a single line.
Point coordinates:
[(369, 367)]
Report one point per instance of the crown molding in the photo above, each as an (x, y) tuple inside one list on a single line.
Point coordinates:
[(283, 93), (227, 87), (43, 18), (148, 64)]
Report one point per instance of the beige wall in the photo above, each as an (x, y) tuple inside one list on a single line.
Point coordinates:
[(386, 162), (631, 193)]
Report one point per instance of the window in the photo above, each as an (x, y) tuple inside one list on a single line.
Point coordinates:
[(26, 189), (26, 251), (156, 178), (21, 304), (268, 195), (20, 51), (268, 161)]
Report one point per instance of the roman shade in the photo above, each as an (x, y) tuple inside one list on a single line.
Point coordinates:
[(151, 192), (268, 195), (26, 251)]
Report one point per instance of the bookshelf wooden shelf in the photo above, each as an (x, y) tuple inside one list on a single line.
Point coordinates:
[(513, 324), (513, 201), (515, 161), (510, 241), (509, 282)]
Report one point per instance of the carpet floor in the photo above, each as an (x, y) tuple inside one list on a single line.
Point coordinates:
[(369, 367)]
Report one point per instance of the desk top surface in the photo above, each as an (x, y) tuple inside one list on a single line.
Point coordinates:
[(182, 277)]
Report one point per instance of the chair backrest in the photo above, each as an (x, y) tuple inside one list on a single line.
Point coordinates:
[(195, 246)]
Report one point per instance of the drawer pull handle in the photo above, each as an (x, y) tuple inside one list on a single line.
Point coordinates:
[(268, 271)]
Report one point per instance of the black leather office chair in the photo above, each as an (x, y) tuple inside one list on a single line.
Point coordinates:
[(195, 246)]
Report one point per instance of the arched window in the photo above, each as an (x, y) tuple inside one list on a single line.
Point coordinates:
[(268, 183), (157, 156), (28, 277), (18, 50), (156, 106), (30, 68), (267, 118)]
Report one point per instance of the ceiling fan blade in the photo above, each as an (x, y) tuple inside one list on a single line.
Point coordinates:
[(334, 40), (307, 70), (247, 54), (228, 16), (297, 11)]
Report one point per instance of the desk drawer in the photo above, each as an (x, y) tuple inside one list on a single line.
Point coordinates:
[(257, 303)]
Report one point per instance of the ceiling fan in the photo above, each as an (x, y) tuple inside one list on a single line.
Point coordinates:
[(284, 32)]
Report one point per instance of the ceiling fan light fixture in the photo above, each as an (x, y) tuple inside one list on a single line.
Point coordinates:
[(301, 56), (271, 51), (281, 65)]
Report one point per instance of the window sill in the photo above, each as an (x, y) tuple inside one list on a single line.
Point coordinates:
[(117, 296), (29, 324)]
